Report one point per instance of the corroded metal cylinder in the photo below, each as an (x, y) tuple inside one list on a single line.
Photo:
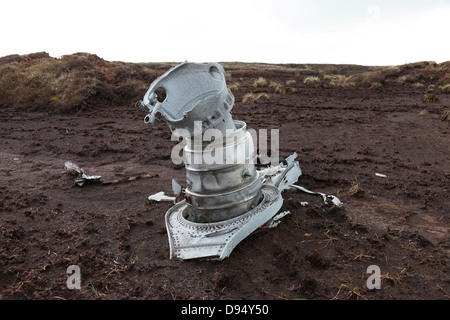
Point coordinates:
[(227, 187)]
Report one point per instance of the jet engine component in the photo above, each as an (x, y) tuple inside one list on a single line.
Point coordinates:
[(226, 197)]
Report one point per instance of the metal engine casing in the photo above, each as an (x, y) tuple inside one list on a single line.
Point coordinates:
[(225, 200)]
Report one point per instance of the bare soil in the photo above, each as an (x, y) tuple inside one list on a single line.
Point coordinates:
[(343, 136)]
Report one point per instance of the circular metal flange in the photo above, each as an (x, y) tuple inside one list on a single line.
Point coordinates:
[(190, 240)]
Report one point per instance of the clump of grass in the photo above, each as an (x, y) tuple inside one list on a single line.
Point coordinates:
[(311, 80), (296, 221), (280, 88), (135, 259), (445, 115), (423, 113), (262, 96), (365, 79), (284, 90), (445, 88), (406, 78), (429, 97), (234, 87), (260, 82), (290, 82), (275, 85), (418, 85), (97, 294), (250, 98), (355, 187), (337, 80), (352, 291)]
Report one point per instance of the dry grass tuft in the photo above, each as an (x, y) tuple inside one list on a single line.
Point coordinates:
[(409, 78), (280, 88), (422, 113), (445, 115), (234, 87), (260, 82), (445, 88), (250, 98), (355, 187), (339, 81), (366, 79), (262, 96), (312, 81), (429, 97)]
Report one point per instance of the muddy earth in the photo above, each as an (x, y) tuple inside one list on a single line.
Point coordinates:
[(345, 136)]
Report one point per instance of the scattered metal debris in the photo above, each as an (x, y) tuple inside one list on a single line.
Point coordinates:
[(325, 197), (160, 196), (276, 220), (381, 175), (82, 178)]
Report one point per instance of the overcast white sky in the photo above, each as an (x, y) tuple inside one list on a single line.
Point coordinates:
[(368, 32)]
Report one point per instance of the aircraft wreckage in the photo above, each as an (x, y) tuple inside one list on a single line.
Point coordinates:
[(227, 199)]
